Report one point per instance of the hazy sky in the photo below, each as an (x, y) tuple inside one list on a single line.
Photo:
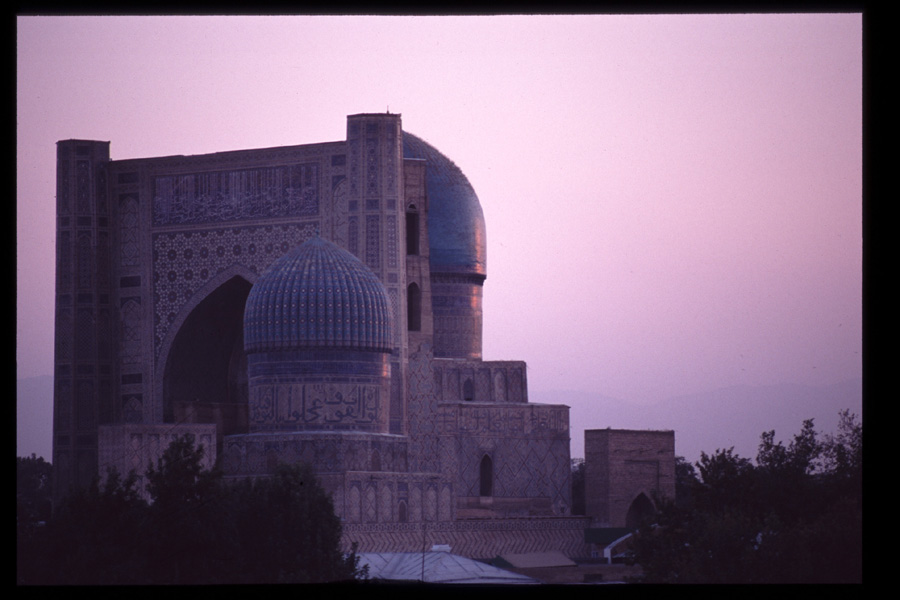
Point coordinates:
[(673, 203)]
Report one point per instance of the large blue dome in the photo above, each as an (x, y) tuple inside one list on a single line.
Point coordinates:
[(456, 229), (317, 295)]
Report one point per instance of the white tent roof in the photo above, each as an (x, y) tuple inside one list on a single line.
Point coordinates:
[(554, 558), (436, 567)]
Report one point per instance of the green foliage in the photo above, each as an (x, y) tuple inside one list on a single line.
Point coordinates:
[(686, 482), (727, 478), (178, 482), (578, 493), (796, 460), (793, 517), (185, 516), (842, 453), (33, 489), (288, 531), (93, 538), (199, 529)]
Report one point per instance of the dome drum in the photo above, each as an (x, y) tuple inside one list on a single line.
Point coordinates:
[(321, 402), (457, 304), (309, 390), (315, 362)]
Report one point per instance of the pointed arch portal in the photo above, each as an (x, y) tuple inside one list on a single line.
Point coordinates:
[(205, 379), (640, 509)]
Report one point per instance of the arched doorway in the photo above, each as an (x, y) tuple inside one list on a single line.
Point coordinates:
[(640, 509), (205, 378), (486, 473)]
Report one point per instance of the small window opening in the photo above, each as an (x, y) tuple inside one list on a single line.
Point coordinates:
[(487, 476), (414, 307), (468, 391), (412, 232)]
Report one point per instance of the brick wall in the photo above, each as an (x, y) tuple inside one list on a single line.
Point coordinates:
[(620, 466)]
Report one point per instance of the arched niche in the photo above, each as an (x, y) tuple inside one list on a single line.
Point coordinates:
[(468, 390), (486, 477), (205, 375), (414, 307), (412, 230), (641, 508)]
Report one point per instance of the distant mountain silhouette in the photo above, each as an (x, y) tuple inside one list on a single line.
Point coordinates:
[(720, 418), (34, 416)]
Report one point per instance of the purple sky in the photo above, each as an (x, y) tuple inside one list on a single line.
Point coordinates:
[(673, 203)]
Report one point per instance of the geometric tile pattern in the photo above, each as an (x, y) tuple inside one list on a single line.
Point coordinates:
[(421, 410), (129, 221), (184, 261), (528, 445), (130, 329), (477, 538), (270, 192)]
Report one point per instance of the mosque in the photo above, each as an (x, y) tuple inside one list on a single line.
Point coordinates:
[(318, 303)]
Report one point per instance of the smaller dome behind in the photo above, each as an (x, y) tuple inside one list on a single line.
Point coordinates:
[(317, 295)]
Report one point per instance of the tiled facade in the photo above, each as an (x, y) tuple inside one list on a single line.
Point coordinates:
[(156, 259)]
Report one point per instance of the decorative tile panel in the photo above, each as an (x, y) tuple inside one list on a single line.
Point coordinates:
[(83, 186), (373, 173), (129, 222), (373, 242), (265, 192), (184, 261)]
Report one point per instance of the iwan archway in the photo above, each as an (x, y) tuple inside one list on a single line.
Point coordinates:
[(641, 509), (205, 376)]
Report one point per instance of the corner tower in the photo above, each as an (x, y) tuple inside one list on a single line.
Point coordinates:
[(83, 355)]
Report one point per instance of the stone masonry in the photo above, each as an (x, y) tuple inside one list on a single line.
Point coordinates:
[(625, 470)]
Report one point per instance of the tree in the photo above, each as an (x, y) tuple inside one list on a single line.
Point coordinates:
[(842, 453), (578, 490), (94, 538), (179, 480), (34, 493), (686, 482), (796, 460), (287, 530), (726, 479), (793, 517), (186, 517), (199, 529), (279, 529)]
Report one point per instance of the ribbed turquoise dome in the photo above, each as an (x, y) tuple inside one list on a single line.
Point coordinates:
[(317, 295)]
